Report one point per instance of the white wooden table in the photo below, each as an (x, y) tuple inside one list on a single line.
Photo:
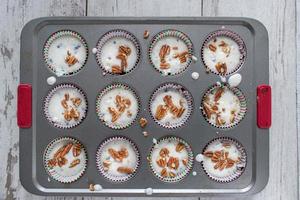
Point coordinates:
[(279, 16)]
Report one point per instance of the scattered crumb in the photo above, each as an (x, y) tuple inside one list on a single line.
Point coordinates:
[(145, 133)]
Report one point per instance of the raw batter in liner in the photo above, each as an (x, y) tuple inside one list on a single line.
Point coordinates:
[(221, 106), (66, 54), (222, 159), (110, 51), (56, 111), (108, 100), (169, 159), (120, 165), (173, 63), (75, 163), (222, 55)]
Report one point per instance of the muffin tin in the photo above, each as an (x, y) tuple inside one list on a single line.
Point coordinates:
[(36, 132)]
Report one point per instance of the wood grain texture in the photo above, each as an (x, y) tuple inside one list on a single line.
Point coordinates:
[(279, 18), (13, 16)]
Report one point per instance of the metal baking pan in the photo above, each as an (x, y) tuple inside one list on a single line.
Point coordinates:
[(36, 132)]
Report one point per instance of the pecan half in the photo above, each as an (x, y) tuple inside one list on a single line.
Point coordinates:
[(212, 47), (52, 162), (74, 163), (70, 59), (173, 163), (116, 69), (106, 163), (208, 154), (143, 122), (115, 155), (208, 111), (76, 101), (185, 162), (161, 112), (76, 149), (125, 170), (125, 49), (161, 162), (146, 34), (219, 94), (75, 114), (64, 104), (182, 56), (220, 121), (179, 147), (172, 174), (164, 152), (164, 172), (165, 65), (221, 67), (66, 149), (164, 51), (114, 114), (61, 161), (123, 153), (180, 112)]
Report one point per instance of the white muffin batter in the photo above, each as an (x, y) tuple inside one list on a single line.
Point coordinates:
[(171, 146), (109, 100), (230, 55), (177, 97), (64, 172), (233, 153), (228, 106), (176, 46), (55, 111), (131, 161), (110, 50), (58, 51)]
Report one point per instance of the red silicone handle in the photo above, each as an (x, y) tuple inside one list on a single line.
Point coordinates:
[(264, 105), (24, 110)]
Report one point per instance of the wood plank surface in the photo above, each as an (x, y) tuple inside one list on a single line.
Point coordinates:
[(277, 15)]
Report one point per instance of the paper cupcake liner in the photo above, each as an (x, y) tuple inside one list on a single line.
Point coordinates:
[(51, 171), (99, 161), (234, 36), (183, 174), (242, 163), (57, 35), (172, 33), (182, 90), (112, 34), (243, 106), (103, 92), (50, 95)]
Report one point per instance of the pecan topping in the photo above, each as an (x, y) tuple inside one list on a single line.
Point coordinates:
[(64, 104), (221, 159), (61, 161), (66, 149), (175, 48), (164, 172), (115, 155), (74, 114), (182, 56), (114, 114), (70, 59), (226, 144), (125, 50), (161, 162), (125, 170), (212, 47), (106, 163), (179, 147), (164, 152), (221, 67), (164, 51), (185, 162), (208, 154), (161, 112), (172, 174), (173, 163), (220, 121), (52, 162), (76, 101), (76, 149), (165, 65), (225, 48), (74, 163), (143, 122), (123, 152), (208, 111), (146, 34), (70, 112), (116, 69), (219, 94)]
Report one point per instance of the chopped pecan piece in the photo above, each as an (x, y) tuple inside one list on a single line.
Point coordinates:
[(172, 174), (123, 153), (143, 122), (165, 65), (182, 56), (76, 101), (226, 144), (180, 112), (219, 94), (221, 67), (76, 149), (185, 162), (164, 172), (74, 163), (212, 47), (116, 69), (179, 147), (208, 111), (114, 114), (74, 114), (125, 170), (52, 162), (208, 154), (66, 149), (161, 162), (61, 161), (115, 155), (164, 51), (124, 49), (173, 163), (220, 121), (64, 104), (70, 59), (161, 112), (164, 152), (146, 34)]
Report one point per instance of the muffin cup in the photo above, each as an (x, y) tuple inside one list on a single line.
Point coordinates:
[(64, 125), (52, 172), (55, 36), (243, 106), (113, 34), (186, 94), (100, 96), (179, 35), (235, 37), (189, 164), (110, 177), (241, 165)]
